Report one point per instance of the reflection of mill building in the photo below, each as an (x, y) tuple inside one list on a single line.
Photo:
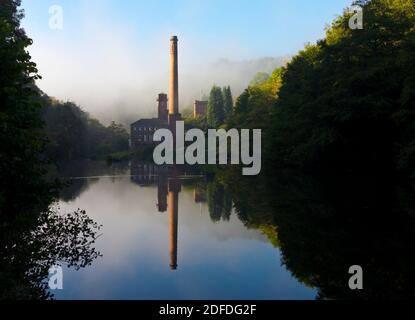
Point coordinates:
[(169, 185), (147, 174), (167, 180)]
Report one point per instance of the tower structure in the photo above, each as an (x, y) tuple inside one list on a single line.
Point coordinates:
[(174, 114), (163, 112)]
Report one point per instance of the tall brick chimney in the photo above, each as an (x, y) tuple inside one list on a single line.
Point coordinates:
[(174, 114)]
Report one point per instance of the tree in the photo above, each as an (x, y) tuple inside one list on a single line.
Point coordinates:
[(347, 102), (259, 78), (73, 134), (66, 126), (118, 136), (219, 202), (22, 139), (321, 225), (216, 112), (227, 102), (253, 110)]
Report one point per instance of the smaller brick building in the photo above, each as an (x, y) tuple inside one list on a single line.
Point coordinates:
[(200, 108)]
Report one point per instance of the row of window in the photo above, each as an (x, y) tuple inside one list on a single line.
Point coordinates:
[(145, 129), (145, 138)]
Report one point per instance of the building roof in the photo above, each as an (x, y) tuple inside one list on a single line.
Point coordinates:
[(149, 122)]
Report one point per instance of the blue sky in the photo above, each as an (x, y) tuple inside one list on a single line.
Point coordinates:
[(265, 27), (110, 48)]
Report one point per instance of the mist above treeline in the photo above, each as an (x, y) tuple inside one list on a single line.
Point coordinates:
[(74, 134), (126, 103)]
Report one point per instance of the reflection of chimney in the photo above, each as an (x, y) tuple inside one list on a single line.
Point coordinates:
[(173, 214), (174, 190), (162, 190), (174, 83), (163, 112)]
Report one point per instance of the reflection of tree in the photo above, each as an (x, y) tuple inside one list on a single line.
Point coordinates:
[(219, 202), (251, 203), (28, 249), (325, 226), (80, 170), (331, 226)]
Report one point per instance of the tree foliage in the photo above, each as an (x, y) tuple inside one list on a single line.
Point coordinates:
[(73, 134), (219, 202), (216, 108), (259, 78), (22, 139), (227, 102), (348, 101), (322, 226)]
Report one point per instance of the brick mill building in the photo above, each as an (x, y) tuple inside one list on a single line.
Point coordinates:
[(142, 131)]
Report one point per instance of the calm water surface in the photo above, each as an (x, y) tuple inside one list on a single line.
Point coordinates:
[(159, 241)]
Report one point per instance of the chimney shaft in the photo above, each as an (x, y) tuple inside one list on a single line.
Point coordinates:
[(174, 78), (163, 112), (173, 206)]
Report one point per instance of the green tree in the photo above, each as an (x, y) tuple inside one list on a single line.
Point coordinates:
[(22, 139), (259, 78), (253, 110), (219, 202), (66, 126), (216, 111), (118, 137), (347, 102), (227, 102), (73, 134)]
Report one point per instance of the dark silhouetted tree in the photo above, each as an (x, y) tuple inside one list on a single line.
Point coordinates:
[(227, 102), (347, 102), (22, 139), (216, 111)]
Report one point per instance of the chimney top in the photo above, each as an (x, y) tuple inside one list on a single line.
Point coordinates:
[(162, 97), (173, 38)]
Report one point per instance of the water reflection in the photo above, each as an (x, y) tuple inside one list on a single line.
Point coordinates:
[(236, 231), (324, 225), (30, 245), (162, 239), (168, 180)]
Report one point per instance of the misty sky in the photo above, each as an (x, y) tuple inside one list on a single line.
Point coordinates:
[(112, 56)]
